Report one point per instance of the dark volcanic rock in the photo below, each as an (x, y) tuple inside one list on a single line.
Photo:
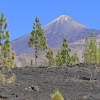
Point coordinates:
[(38, 83), (84, 78), (35, 88)]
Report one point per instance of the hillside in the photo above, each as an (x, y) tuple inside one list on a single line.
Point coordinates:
[(39, 82)]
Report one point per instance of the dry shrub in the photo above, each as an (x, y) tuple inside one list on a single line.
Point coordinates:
[(4, 80), (11, 79)]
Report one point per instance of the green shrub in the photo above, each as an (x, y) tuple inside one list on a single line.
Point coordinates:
[(11, 79), (2, 79), (57, 96)]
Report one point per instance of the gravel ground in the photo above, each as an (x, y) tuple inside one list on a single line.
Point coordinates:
[(39, 82)]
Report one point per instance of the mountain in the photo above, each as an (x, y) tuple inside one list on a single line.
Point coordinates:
[(63, 26)]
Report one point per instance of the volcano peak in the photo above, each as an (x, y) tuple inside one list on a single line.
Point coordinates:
[(63, 17)]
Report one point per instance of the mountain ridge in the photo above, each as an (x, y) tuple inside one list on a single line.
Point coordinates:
[(66, 17), (55, 31)]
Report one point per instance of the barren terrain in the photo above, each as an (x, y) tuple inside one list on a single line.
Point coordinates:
[(38, 83)]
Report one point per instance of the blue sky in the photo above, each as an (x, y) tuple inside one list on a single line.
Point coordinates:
[(21, 13)]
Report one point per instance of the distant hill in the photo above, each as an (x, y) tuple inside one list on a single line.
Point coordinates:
[(63, 26)]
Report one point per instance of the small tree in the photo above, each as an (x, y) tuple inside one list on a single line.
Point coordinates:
[(49, 56), (6, 54), (66, 59), (86, 51), (44, 63), (75, 59), (59, 61), (91, 52), (24, 63), (57, 96), (31, 63), (38, 39)]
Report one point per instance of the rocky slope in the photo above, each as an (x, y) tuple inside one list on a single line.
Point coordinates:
[(39, 82)]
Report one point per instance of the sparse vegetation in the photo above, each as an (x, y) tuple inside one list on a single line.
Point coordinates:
[(11, 79), (63, 58), (75, 59), (91, 52), (45, 63), (24, 63), (31, 63), (2, 78), (57, 96), (59, 61), (38, 43), (6, 54), (49, 56), (66, 59), (38, 39)]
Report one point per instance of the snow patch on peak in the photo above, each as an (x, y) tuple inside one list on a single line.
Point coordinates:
[(62, 15), (66, 18)]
